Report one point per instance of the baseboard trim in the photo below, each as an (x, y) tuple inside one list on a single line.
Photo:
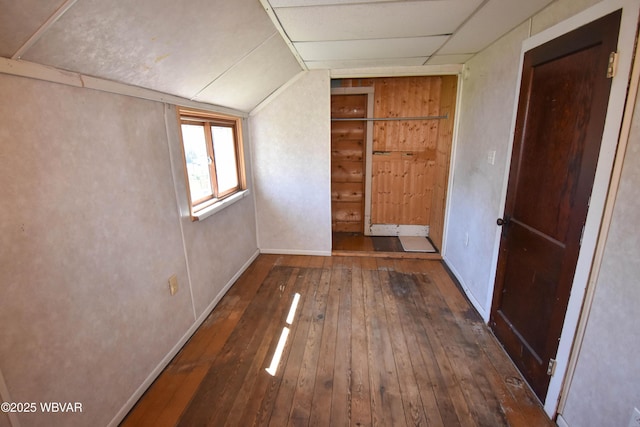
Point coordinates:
[(122, 413), (561, 421), (294, 252), (476, 304)]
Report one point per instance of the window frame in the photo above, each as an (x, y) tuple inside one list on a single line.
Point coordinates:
[(208, 119)]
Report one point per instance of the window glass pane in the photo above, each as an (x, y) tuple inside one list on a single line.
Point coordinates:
[(225, 155), (195, 152)]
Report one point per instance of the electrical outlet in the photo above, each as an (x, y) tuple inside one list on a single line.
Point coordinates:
[(635, 418), (466, 239), (173, 285)]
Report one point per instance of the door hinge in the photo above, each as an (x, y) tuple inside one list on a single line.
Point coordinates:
[(551, 369), (582, 234), (612, 65)]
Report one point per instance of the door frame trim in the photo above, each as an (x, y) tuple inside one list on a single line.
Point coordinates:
[(586, 268)]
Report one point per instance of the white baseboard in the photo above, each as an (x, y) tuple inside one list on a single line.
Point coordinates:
[(465, 288), (561, 421), (294, 252), (176, 348)]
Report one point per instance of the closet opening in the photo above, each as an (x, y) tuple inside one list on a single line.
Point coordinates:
[(390, 154)]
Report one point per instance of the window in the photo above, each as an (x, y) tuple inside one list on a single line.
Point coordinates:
[(212, 147)]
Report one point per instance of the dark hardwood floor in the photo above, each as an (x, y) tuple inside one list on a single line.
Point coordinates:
[(374, 342)]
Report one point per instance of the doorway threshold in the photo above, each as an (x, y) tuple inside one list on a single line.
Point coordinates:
[(357, 244)]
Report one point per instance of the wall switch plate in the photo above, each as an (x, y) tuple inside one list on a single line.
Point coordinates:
[(635, 418), (173, 284)]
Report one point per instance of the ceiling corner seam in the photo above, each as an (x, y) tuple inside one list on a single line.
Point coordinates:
[(477, 9), (235, 64), (276, 23), (43, 28)]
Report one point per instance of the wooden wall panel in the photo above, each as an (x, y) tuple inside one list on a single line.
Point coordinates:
[(347, 192), (349, 212), (403, 189), (347, 130), (347, 163), (404, 195), (349, 106), (410, 180), (406, 97), (357, 82), (347, 150), (347, 172), (443, 159)]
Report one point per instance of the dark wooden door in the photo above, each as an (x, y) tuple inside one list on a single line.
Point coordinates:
[(559, 125)]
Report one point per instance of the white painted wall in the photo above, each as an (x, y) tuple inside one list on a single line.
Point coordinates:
[(217, 247), (487, 109), (606, 383), (291, 146), (93, 221), (489, 90)]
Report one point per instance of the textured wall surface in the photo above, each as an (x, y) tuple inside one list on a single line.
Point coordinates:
[(291, 145), (605, 387), (486, 109), (217, 246), (90, 231), (558, 11), (606, 383)]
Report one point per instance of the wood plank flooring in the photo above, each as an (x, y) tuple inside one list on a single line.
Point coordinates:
[(357, 244), (374, 342)]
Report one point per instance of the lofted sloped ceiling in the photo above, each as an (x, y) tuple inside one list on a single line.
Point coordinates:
[(216, 51), (236, 53)]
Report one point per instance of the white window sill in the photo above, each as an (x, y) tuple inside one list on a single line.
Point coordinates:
[(218, 206)]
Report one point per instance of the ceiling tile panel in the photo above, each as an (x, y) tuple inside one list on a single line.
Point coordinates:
[(495, 19), (369, 49), (375, 20), (366, 63), (449, 59), (157, 44), (20, 19), (254, 78), (301, 3)]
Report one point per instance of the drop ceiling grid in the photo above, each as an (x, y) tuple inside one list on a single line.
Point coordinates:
[(365, 63), (449, 59), (302, 3), (370, 49), (504, 15), (374, 20)]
